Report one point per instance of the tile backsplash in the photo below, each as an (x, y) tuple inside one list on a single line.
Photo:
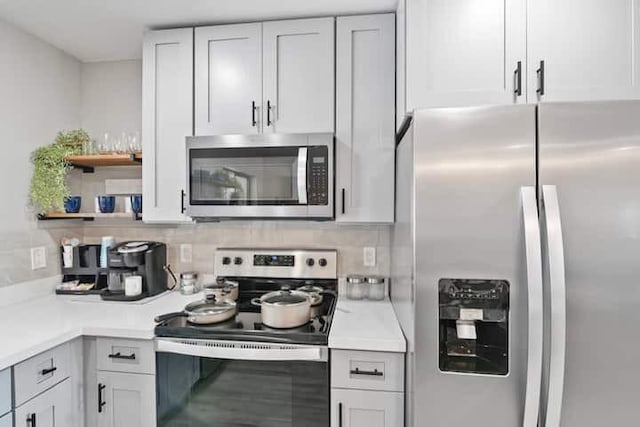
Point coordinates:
[(349, 240), (15, 252)]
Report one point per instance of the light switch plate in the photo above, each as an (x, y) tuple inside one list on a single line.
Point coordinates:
[(186, 253), (38, 257), (369, 257)]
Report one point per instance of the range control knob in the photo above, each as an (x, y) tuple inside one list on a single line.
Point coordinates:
[(226, 260), (322, 262), (310, 262), (237, 260)]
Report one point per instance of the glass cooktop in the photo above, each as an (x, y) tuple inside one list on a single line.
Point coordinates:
[(247, 325)]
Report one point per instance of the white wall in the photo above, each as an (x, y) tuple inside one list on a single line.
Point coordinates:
[(39, 96), (111, 97)]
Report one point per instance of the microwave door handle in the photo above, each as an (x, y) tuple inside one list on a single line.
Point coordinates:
[(302, 175)]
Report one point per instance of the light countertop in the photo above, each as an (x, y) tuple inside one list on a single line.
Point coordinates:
[(366, 325), (34, 326)]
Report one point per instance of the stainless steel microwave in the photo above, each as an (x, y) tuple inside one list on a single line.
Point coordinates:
[(260, 176)]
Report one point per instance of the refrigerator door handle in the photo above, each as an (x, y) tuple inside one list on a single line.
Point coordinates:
[(558, 306), (533, 255)]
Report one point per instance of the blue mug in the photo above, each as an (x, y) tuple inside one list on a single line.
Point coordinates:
[(107, 204), (136, 203), (72, 204)]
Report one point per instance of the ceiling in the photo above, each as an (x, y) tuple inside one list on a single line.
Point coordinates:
[(107, 30)]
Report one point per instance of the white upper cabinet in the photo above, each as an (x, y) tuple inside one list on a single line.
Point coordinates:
[(167, 118), (590, 49), (465, 52), (228, 79), (298, 70), (365, 118)]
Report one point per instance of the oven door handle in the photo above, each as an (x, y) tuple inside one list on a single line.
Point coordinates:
[(302, 175), (193, 348)]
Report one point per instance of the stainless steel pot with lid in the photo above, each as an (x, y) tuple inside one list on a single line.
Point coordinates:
[(315, 293), (207, 311), (284, 309), (222, 289)]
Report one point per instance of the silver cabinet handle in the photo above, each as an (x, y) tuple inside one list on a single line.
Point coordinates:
[(533, 255), (540, 73), (558, 306), (517, 74)]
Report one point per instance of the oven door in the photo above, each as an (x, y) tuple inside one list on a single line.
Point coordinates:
[(285, 176), (204, 383)]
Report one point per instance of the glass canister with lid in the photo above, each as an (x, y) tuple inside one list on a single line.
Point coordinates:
[(188, 282), (356, 287), (376, 287)]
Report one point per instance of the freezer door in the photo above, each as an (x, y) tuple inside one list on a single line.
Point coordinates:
[(589, 156), (471, 165)]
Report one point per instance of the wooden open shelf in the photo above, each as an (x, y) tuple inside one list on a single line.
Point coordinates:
[(88, 162), (89, 216)]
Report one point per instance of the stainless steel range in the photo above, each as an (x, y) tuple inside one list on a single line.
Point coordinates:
[(240, 371)]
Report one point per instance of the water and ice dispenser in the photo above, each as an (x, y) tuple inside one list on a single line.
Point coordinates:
[(474, 326)]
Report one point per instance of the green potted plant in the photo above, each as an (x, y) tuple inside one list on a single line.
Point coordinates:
[(48, 184)]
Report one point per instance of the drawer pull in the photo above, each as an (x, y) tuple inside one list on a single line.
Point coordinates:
[(48, 371), (100, 402), (132, 356), (31, 420), (374, 373)]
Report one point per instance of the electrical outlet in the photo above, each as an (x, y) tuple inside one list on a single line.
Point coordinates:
[(186, 253), (369, 257), (38, 257)]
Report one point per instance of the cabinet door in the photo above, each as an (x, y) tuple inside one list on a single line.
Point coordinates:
[(465, 52), (5, 391), (362, 408), (49, 409), (167, 119), (589, 48), (6, 420), (126, 400), (228, 83), (298, 71), (365, 129)]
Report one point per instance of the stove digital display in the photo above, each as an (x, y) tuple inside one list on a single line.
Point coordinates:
[(273, 260)]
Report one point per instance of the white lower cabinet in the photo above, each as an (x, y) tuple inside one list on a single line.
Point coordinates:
[(365, 408), (49, 409), (367, 389), (6, 420), (126, 400)]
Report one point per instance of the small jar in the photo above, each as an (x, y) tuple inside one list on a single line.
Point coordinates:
[(356, 287), (188, 282), (376, 287)]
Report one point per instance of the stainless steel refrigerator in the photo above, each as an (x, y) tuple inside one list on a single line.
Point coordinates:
[(516, 265)]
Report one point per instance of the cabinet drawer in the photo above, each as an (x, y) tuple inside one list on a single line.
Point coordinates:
[(41, 372), (367, 370), (118, 355), (5, 391)]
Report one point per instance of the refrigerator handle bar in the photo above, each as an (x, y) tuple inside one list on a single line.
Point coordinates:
[(534, 286), (558, 305)]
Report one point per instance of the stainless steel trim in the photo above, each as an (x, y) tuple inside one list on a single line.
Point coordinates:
[(235, 350), (558, 306), (302, 175), (536, 326)]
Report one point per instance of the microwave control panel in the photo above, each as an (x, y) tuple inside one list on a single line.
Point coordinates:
[(318, 176)]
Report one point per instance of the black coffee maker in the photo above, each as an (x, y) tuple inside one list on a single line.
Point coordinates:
[(146, 259)]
